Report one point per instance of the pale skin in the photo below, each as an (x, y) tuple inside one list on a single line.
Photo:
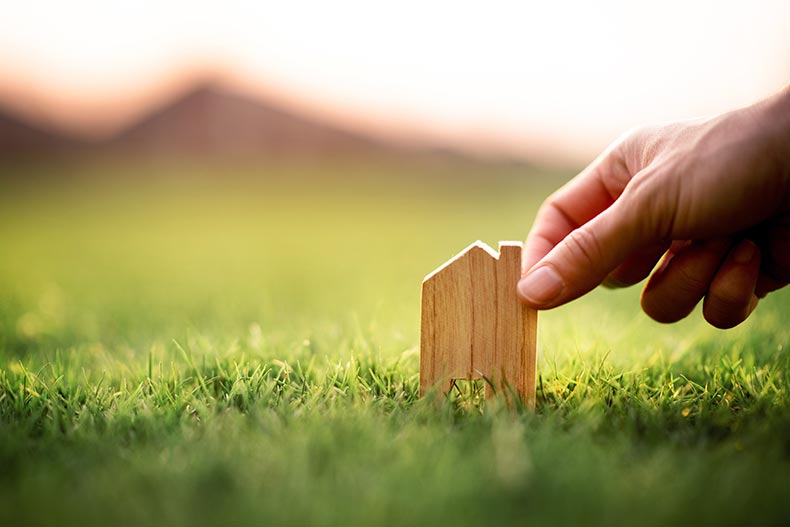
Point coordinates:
[(701, 208)]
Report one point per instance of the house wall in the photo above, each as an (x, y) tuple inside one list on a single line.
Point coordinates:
[(473, 324)]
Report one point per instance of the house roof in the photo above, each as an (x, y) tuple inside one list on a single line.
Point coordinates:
[(476, 246)]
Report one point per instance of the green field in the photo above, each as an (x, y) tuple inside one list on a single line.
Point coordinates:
[(216, 344)]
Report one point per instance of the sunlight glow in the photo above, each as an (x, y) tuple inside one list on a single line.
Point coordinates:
[(535, 77)]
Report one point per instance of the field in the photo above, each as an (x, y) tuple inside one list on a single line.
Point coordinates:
[(215, 344)]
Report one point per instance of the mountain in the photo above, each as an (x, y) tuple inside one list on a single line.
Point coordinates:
[(211, 120), (22, 138)]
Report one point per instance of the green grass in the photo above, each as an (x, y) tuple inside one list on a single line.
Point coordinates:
[(241, 347)]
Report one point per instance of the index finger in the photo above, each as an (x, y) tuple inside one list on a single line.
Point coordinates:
[(591, 192)]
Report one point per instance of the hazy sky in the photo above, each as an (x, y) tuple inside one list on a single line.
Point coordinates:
[(542, 77)]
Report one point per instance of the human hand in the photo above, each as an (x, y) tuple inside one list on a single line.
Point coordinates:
[(709, 198)]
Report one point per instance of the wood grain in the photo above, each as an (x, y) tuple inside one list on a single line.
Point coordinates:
[(473, 325)]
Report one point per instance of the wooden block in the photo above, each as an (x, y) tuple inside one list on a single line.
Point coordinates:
[(474, 326)]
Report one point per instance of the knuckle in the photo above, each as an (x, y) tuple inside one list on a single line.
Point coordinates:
[(640, 189), (549, 207), (652, 200), (635, 137), (691, 282), (640, 145), (583, 244), (616, 178), (727, 299)]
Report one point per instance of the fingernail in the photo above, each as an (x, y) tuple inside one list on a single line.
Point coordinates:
[(541, 286), (744, 252)]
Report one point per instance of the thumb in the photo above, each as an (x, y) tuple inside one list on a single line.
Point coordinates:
[(584, 258)]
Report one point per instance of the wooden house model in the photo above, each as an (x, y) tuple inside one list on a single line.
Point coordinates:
[(473, 325)]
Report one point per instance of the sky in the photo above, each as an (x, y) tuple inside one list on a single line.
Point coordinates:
[(547, 78)]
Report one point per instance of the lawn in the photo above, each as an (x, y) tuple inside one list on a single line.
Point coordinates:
[(210, 344)]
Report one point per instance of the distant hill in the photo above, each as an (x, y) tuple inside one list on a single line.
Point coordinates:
[(211, 120), (21, 138)]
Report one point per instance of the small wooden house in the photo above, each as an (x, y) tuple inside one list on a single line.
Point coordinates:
[(473, 325)]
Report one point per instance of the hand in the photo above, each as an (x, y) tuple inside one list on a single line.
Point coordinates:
[(710, 199)]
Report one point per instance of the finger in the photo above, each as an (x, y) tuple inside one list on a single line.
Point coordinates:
[(583, 258), (731, 299), (774, 257), (767, 284), (576, 203), (776, 251), (637, 266), (682, 280)]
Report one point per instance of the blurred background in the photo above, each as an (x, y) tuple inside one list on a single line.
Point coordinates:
[(521, 79), (285, 173)]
